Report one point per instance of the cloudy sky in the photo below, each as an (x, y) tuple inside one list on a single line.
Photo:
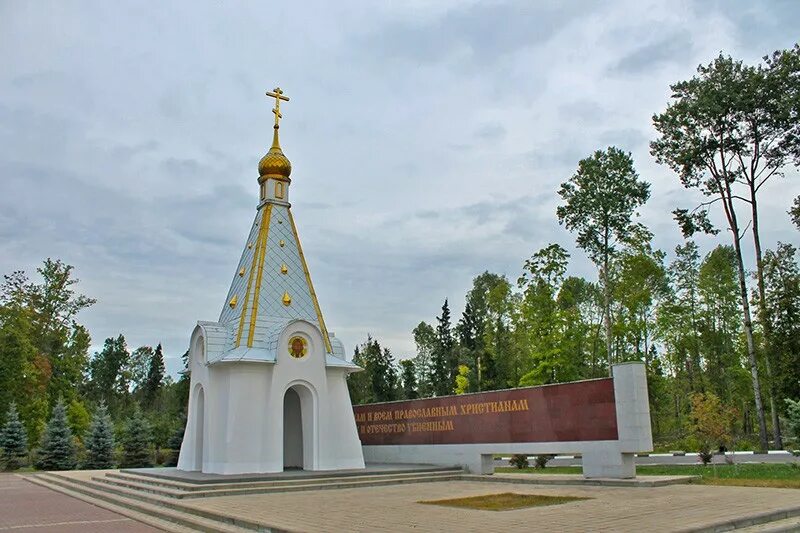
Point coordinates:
[(427, 140)]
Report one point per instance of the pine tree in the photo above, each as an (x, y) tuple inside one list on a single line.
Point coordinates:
[(358, 383), (180, 391), (424, 338), (470, 331), (13, 440), (409, 378), (174, 444), (381, 371), (155, 377), (100, 441), (136, 444), (445, 367), (57, 450)]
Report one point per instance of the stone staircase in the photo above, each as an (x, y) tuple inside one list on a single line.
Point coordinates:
[(173, 505)]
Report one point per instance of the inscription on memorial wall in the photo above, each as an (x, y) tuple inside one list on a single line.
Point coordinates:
[(578, 411)]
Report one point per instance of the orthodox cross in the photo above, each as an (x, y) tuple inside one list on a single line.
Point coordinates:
[(277, 94)]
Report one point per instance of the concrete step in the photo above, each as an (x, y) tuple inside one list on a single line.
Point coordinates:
[(171, 478), (151, 513), (141, 484), (778, 521), (172, 488), (148, 519), (779, 526)]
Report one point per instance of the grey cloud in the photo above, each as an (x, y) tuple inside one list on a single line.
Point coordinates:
[(477, 34), (184, 167), (627, 138), (491, 132), (672, 48), (460, 147), (758, 26), (427, 215), (124, 153), (582, 110), (559, 157)]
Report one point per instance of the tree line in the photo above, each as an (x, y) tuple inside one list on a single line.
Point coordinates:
[(710, 332), (61, 408)]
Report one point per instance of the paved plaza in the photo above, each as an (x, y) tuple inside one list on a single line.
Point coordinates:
[(29, 508), (395, 508)]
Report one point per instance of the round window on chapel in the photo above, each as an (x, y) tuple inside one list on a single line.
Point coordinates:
[(298, 347)]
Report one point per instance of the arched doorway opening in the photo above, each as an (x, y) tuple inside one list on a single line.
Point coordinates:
[(292, 430), (199, 416), (298, 428)]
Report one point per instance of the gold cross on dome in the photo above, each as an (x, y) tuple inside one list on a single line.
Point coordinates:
[(277, 94)]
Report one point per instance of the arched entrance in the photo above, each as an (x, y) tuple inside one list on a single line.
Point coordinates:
[(298, 428), (199, 416), (292, 430)]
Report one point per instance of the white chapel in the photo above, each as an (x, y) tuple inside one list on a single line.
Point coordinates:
[(268, 380)]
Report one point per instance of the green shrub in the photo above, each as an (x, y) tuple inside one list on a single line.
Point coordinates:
[(164, 456), (710, 422), (171, 457), (519, 460), (745, 443), (541, 461), (705, 456)]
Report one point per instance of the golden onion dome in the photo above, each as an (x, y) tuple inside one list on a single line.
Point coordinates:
[(274, 164)]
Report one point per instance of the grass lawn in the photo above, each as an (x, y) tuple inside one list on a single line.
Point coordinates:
[(24, 470), (749, 475), (503, 502)]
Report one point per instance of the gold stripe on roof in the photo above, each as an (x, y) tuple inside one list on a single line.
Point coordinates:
[(263, 235), (247, 295), (311, 286)]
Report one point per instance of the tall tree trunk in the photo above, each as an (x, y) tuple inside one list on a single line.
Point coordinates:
[(694, 361), (748, 323), (765, 319), (723, 183), (607, 326), (607, 304)]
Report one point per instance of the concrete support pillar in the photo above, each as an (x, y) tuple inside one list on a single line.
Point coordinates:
[(609, 463), (618, 459), (487, 464), (633, 407), (473, 462)]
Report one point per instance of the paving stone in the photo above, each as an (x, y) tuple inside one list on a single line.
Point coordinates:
[(395, 508), (29, 508)]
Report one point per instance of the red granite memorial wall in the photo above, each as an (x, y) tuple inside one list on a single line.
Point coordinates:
[(566, 412)]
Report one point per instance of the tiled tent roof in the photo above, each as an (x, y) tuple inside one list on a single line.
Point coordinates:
[(271, 268)]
